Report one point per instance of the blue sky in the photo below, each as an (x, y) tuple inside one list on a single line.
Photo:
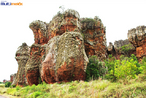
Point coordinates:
[(117, 15)]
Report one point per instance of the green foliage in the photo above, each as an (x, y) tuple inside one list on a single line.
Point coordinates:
[(142, 68), (18, 88), (35, 94), (126, 49), (123, 68), (7, 84), (95, 69), (110, 64), (88, 20)]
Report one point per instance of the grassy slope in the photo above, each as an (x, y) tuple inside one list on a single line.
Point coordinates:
[(79, 89)]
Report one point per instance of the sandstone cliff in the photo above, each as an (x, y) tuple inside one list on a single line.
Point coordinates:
[(94, 37), (60, 47), (137, 36), (121, 47)]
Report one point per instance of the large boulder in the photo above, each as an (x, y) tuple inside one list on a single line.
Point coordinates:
[(66, 59), (22, 55), (137, 36), (93, 31)]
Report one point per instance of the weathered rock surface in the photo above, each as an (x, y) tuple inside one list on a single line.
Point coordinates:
[(13, 79), (64, 22), (137, 36), (94, 37), (66, 59), (39, 29), (121, 47), (111, 50), (33, 63), (22, 55)]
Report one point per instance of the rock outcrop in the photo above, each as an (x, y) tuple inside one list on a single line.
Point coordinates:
[(137, 36), (39, 29), (66, 59), (13, 79), (59, 52), (22, 55), (121, 47), (94, 37), (64, 22)]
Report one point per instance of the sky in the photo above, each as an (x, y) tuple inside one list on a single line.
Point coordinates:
[(118, 16)]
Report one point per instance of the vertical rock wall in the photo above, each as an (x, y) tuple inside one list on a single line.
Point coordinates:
[(22, 55), (137, 36)]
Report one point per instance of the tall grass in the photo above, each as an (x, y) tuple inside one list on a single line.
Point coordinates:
[(80, 89)]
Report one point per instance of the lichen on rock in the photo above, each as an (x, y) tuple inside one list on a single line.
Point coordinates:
[(22, 55), (94, 37), (39, 29), (137, 36), (66, 59)]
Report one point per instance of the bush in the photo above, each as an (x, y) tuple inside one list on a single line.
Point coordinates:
[(18, 88), (95, 69), (7, 84), (121, 69)]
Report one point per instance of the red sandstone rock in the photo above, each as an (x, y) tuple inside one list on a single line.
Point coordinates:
[(66, 59), (39, 29), (138, 38), (33, 63), (94, 37), (22, 56), (64, 22)]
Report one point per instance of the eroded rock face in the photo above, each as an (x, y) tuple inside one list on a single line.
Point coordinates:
[(66, 59), (64, 22), (13, 79), (94, 37), (117, 49), (137, 36), (39, 29), (111, 50), (22, 55), (33, 63)]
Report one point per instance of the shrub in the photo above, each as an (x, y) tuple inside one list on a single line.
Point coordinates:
[(95, 69), (7, 84), (18, 88), (121, 69)]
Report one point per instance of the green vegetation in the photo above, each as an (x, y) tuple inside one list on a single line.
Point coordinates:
[(7, 84), (88, 20), (80, 89), (126, 48), (90, 23), (122, 69), (95, 69), (112, 78)]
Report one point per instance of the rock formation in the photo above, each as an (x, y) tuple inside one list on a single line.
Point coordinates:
[(64, 22), (121, 47), (22, 55), (39, 29), (66, 59), (13, 79), (137, 36), (59, 52), (94, 37)]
